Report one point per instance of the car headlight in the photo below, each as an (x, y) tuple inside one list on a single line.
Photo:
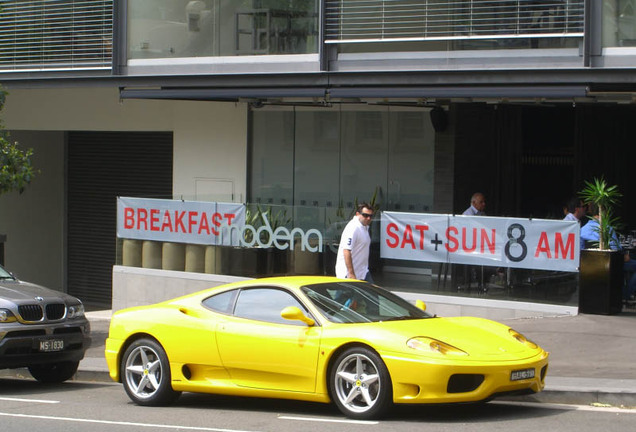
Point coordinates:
[(6, 316), (75, 311), (434, 346), (521, 338)]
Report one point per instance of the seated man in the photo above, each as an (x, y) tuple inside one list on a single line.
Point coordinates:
[(590, 238), (576, 210)]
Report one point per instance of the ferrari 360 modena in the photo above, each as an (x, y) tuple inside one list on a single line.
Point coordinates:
[(318, 339)]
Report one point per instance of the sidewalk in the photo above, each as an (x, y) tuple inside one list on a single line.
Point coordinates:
[(592, 357)]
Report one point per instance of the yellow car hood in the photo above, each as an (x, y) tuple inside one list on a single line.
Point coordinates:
[(481, 339)]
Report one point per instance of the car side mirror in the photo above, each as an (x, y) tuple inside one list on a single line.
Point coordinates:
[(293, 313), (420, 304)]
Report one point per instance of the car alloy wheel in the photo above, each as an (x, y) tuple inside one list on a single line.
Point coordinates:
[(360, 384), (147, 374)]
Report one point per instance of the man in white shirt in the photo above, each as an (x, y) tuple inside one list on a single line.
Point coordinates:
[(477, 205), (352, 261)]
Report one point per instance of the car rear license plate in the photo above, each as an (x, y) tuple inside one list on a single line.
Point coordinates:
[(51, 345), (521, 374)]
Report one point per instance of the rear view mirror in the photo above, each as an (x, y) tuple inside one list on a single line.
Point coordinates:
[(420, 305), (292, 313)]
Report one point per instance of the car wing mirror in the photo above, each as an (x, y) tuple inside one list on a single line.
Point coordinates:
[(420, 304), (293, 313)]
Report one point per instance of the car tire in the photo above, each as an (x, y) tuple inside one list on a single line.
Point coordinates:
[(360, 384), (54, 373), (146, 374)]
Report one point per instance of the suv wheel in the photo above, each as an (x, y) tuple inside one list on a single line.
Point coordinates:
[(54, 373)]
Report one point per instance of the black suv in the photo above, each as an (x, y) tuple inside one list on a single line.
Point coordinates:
[(41, 329)]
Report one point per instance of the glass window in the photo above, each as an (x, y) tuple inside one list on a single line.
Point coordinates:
[(5, 274), (356, 302), (316, 158), (619, 23), (221, 302), (316, 165), (272, 157), (411, 161), (266, 304), (58, 35), (453, 24), (365, 145), (324, 160), (201, 28)]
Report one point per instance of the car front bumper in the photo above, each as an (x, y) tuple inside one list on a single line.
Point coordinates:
[(20, 344), (436, 382)]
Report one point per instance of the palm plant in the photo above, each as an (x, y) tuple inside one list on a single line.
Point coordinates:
[(605, 197)]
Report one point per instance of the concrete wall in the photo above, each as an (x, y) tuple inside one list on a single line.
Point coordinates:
[(134, 286), (485, 308), (210, 153), (34, 221)]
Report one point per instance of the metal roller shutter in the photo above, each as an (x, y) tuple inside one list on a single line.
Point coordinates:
[(102, 166)]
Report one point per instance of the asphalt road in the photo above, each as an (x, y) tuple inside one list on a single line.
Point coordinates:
[(81, 406)]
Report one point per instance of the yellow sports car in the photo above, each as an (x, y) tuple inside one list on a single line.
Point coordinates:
[(316, 339)]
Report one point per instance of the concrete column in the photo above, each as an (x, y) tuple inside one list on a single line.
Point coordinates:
[(213, 260), (131, 253), (195, 258), (151, 254), (305, 262), (173, 256)]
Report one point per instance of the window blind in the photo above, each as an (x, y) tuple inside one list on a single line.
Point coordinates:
[(389, 20), (55, 34)]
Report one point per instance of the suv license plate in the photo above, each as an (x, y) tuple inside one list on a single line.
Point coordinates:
[(51, 345)]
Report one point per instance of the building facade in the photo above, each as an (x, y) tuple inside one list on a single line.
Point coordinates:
[(305, 108)]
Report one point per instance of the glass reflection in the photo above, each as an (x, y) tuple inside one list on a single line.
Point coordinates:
[(203, 28)]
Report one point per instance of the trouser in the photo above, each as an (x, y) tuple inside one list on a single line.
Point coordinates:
[(629, 289)]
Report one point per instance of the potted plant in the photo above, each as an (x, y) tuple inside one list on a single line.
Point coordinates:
[(601, 268)]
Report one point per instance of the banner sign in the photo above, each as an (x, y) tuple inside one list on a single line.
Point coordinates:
[(481, 240), (207, 223), (177, 221)]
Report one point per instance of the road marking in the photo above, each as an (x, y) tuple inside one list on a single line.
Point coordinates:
[(314, 419), (566, 407), (122, 423), (29, 400)]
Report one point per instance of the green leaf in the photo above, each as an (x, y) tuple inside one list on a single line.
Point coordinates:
[(16, 169), (605, 197)]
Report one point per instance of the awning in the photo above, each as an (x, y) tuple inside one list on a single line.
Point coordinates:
[(498, 92), (336, 93), (221, 94)]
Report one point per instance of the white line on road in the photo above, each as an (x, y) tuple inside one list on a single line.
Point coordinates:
[(566, 407), (121, 423), (29, 400), (314, 419)]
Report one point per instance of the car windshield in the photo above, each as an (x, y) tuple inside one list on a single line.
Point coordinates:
[(5, 274), (359, 302)]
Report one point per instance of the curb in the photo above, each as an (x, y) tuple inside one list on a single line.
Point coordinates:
[(585, 391), (598, 397), (83, 375)]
